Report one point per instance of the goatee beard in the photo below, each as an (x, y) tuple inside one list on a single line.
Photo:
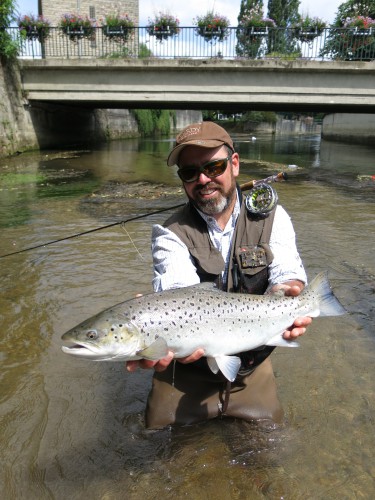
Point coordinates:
[(215, 206)]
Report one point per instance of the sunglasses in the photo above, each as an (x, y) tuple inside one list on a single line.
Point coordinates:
[(211, 169)]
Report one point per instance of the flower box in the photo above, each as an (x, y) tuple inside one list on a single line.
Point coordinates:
[(163, 26), (212, 27), (307, 34), (257, 30), (76, 27), (356, 31), (34, 28)]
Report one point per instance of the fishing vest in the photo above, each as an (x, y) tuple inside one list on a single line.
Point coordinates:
[(250, 256), (250, 251)]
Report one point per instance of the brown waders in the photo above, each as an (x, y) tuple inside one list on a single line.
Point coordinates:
[(187, 394)]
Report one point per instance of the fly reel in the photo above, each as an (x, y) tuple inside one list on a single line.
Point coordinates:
[(261, 199)]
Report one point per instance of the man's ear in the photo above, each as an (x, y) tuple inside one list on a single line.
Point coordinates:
[(235, 164)]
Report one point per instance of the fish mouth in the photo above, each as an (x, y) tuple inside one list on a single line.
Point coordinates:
[(83, 350)]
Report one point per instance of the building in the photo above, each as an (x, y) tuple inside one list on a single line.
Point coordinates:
[(94, 9)]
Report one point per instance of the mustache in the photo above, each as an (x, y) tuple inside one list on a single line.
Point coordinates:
[(209, 185)]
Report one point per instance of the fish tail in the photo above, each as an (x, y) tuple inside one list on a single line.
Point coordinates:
[(329, 305)]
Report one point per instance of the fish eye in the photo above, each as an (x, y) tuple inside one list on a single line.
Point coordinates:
[(91, 334)]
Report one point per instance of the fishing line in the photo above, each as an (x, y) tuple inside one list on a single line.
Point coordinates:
[(259, 205), (131, 241), (93, 230)]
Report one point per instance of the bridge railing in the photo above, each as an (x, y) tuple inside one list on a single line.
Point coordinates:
[(235, 43)]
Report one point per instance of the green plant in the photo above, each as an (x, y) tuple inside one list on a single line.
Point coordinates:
[(118, 26), (153, 121), (362, 22), (9, 47), (251, 28), (34, 27), (163, 26), (347, 42), (307, 28), (255, 19), (212, 27), (288, 56), (76, 26), (144, 51)]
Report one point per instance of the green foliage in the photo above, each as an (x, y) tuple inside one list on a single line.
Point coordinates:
[(247, 47), (212, 27), (144, 51), (116, 20), (259, 116), (353, 8), (153, 121), (345, 43), (118, 27), (163, 25), (34, 27), (9, 48), (285, 13), (76, 26), (289, 56)]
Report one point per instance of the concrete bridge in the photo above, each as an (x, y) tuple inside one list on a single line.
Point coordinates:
[(277, 85)]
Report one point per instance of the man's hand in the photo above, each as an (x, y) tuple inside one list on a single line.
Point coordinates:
[(162, 364), (293, 289)]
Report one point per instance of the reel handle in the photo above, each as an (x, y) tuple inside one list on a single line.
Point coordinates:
[(281, 176)]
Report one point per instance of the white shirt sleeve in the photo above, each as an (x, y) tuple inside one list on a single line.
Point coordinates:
[(286, 264), (173, 265)]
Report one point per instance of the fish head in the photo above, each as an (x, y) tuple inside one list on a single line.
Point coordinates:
[(104, 337)]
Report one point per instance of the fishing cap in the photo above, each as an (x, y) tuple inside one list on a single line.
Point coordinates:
[(203, 134)]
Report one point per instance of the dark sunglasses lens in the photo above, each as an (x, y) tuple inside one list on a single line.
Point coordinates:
[(215, 168), (189, 174), (210, 169)]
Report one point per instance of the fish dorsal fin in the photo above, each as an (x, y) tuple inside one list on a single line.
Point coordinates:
[(228, 365), (156, 350)]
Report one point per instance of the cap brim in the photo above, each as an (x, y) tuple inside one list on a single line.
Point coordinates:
[(175, 153)]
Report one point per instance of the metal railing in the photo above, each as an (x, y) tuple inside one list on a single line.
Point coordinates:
[(235, 43)]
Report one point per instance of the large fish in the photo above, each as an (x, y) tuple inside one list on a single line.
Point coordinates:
[(200, 316)]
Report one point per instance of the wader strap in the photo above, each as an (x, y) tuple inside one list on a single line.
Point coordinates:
[(227, 389)]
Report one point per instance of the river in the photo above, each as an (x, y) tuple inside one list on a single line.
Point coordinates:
[(74, 429)]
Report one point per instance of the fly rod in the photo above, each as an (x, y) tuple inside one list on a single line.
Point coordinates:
[(256, 187)]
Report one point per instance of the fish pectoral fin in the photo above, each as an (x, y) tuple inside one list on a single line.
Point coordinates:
[(156, 350), (279, 341), (228, 365), (213, 365)]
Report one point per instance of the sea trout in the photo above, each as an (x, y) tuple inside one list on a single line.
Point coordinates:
[(199, 316)]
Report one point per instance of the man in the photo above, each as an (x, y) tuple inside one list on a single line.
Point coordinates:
[(215, 238)]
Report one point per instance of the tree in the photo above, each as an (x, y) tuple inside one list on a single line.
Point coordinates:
[(285, 13), (353, 8), (247, 46), (341, 43), (8, 47)]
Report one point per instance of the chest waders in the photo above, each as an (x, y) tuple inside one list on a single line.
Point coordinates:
[(190, 393)]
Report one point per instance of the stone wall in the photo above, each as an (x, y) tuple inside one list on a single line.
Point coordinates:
[(353, 128), (16, 127), (53, 10)]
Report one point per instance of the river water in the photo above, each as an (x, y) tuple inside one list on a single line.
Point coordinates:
[(74, 429)]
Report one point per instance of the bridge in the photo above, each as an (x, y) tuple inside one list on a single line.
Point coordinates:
[(210, 83)]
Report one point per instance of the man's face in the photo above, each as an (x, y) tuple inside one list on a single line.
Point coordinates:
[(211, 195)]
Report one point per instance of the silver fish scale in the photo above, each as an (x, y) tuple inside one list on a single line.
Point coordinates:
[(186, 319), (204, 318)]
